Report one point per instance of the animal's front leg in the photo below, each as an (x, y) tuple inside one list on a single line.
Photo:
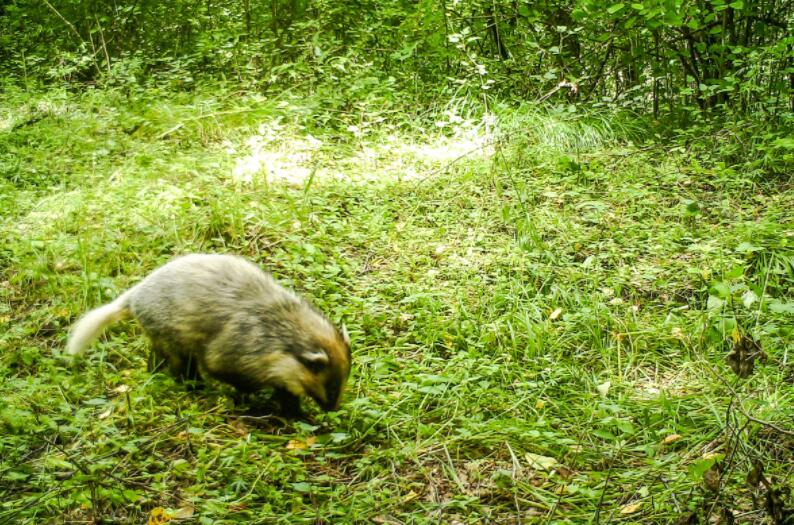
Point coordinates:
[(290, 403)]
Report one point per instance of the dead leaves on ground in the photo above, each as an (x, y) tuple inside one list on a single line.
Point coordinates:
[(159, 515), (742, 357)]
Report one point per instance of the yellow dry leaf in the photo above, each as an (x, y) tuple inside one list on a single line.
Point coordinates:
[(540, 404), (300, 444), (410, 496), (538, 462), (105, 414), (184, 513), (671, 438), (158, 516), (121, 389), (555, 314), (631, 508)]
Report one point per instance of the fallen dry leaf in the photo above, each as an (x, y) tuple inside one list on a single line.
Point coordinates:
[(671, 438), (712, 478), (121, 389), (405, 317), (555, 314), (410, 496), (105, 414), (158, 516), (184, 513), (240, 427), (631, 508), (538, 462), (300, 444)]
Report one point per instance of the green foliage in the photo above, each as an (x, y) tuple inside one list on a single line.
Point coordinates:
[(539, 327), (675, 59)]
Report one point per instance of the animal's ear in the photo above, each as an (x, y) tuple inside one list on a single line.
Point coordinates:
[(345, 335)]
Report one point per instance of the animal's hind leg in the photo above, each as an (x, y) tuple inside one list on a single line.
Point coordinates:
[(191, 370), (157, 357), (180, 366)]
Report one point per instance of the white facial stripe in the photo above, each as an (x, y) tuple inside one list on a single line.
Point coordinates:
[(316, 356)]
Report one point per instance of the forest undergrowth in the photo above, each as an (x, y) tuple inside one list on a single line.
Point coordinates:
[(554, 320)]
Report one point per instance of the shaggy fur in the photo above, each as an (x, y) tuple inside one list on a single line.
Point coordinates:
[(222, 315)]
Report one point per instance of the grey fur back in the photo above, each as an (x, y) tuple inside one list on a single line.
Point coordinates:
[(225, 312)]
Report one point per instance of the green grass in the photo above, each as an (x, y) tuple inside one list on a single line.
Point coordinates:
[(557, 293)]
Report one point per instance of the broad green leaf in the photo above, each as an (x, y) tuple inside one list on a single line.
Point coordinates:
[(615, 8), (604, 434), (714, 303), (784, 143), (749, 298), (747, 247), (699, 467), (538, 462), (735, 273), (781, 307), (720, 289)]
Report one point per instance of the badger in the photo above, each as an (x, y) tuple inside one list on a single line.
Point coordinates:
[(222, 316)]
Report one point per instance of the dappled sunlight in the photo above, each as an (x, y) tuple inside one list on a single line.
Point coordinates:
[(277, 154), (667, 382)]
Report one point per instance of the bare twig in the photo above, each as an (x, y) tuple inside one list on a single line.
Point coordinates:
[(104, 44), (516, 469), (65, 21), (743, 411)]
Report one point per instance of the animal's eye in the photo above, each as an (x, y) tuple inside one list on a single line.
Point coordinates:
[(314, 366)]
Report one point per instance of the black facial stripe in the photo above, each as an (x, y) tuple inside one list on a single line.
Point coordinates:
[(312, 366), (332, 387)]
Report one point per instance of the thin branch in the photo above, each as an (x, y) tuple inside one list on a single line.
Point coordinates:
[(742, 410), (65, 21)]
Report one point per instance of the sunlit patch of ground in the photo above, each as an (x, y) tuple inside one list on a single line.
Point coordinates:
[(273, 154), (669, 382)]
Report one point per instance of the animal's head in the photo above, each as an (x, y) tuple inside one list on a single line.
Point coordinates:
[(317, 364), (328, 367)]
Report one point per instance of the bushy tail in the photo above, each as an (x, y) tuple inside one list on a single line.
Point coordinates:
[(88, 328)]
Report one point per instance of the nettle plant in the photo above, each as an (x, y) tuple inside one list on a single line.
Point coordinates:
[(748, 302)]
